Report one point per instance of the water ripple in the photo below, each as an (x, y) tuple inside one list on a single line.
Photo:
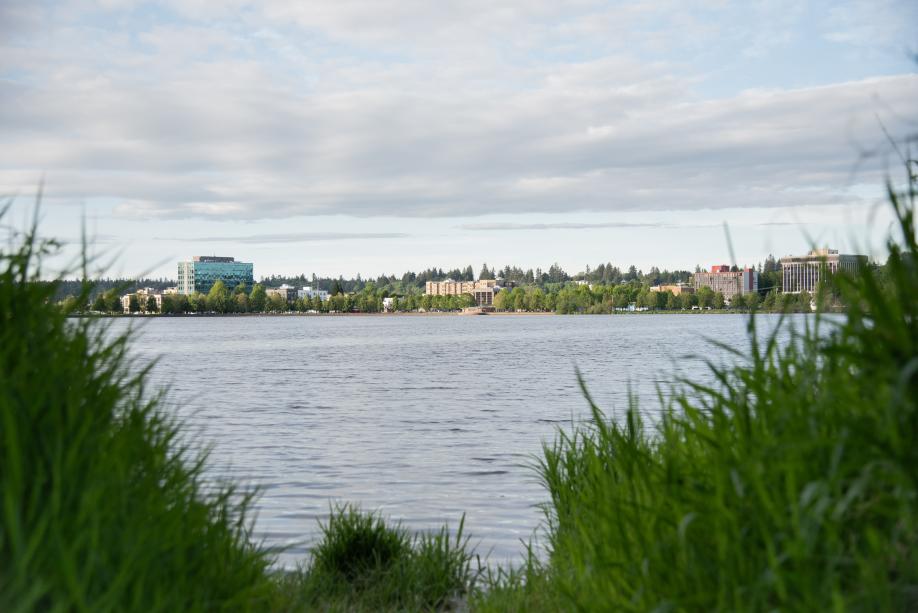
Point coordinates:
[(421, 418)]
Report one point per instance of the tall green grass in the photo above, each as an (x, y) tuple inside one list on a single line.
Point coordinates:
[(790, 484), (102, 506), (363, 563)]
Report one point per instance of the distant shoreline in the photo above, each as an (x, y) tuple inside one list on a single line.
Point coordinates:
[(428, 314)]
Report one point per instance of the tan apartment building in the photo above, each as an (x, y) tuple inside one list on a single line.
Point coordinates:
[(728, 282), (803, 273), (482, 291), (677, 289), (285, 292)]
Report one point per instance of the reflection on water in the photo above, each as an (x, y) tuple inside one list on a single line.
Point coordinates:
[(423, 418)]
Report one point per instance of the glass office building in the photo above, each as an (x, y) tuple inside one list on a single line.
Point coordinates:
[(200, 274)]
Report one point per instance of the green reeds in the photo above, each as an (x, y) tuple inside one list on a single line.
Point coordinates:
[(102, 506), (364, 564), (791, 484)]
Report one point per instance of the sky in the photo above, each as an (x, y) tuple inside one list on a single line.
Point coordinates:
[(357, 136)]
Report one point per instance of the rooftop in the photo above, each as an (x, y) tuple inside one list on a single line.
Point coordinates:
[(213, 258)]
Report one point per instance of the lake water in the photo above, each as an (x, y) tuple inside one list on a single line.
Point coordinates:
[(421, 418)]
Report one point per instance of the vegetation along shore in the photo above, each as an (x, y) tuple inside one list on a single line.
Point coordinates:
[(569, 297)]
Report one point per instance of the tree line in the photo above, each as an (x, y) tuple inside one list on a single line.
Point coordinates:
[(223, 300), (598, 299), (414, 282), (534, 291), (566, 299)]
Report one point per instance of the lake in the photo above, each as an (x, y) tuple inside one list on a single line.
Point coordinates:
[(421, 418)]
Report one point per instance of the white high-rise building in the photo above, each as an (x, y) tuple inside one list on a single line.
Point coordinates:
[(804, 273)]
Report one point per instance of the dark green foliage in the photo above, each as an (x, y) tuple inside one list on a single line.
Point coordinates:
[(102, 507), (356, 543), (792, 484), (362, 563), (72, 287)]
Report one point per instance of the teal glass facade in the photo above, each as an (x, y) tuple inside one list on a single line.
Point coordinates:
[(231, 273), (201, 274)]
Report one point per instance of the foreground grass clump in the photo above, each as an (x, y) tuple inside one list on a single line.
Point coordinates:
[(791, 485), (101, 506), (362, 563)]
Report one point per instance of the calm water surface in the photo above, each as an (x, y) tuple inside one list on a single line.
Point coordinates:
[(422, 418)]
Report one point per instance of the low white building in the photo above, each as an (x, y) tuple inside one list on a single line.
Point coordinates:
[(309, 292), (286, 292)]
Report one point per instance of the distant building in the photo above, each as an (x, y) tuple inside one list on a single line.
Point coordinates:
[(728, 282), (484, 296), (482, 291), (309, 292), (142, 295), (453, 288), (804, 273), (677, 288), (388, 304), (288, 293), (200, 274)]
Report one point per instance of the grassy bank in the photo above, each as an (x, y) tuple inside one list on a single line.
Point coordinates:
[(103, 507), (792, 484)]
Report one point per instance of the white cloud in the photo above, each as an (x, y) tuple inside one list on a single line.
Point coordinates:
[(244, 111)]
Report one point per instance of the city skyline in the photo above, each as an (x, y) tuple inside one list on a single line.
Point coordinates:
[(495, 271), (353, 137)]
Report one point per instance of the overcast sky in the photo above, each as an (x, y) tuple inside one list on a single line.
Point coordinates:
[(364, 136)]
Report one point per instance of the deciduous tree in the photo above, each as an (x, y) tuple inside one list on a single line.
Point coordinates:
[(258, 299), (218, 297)]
